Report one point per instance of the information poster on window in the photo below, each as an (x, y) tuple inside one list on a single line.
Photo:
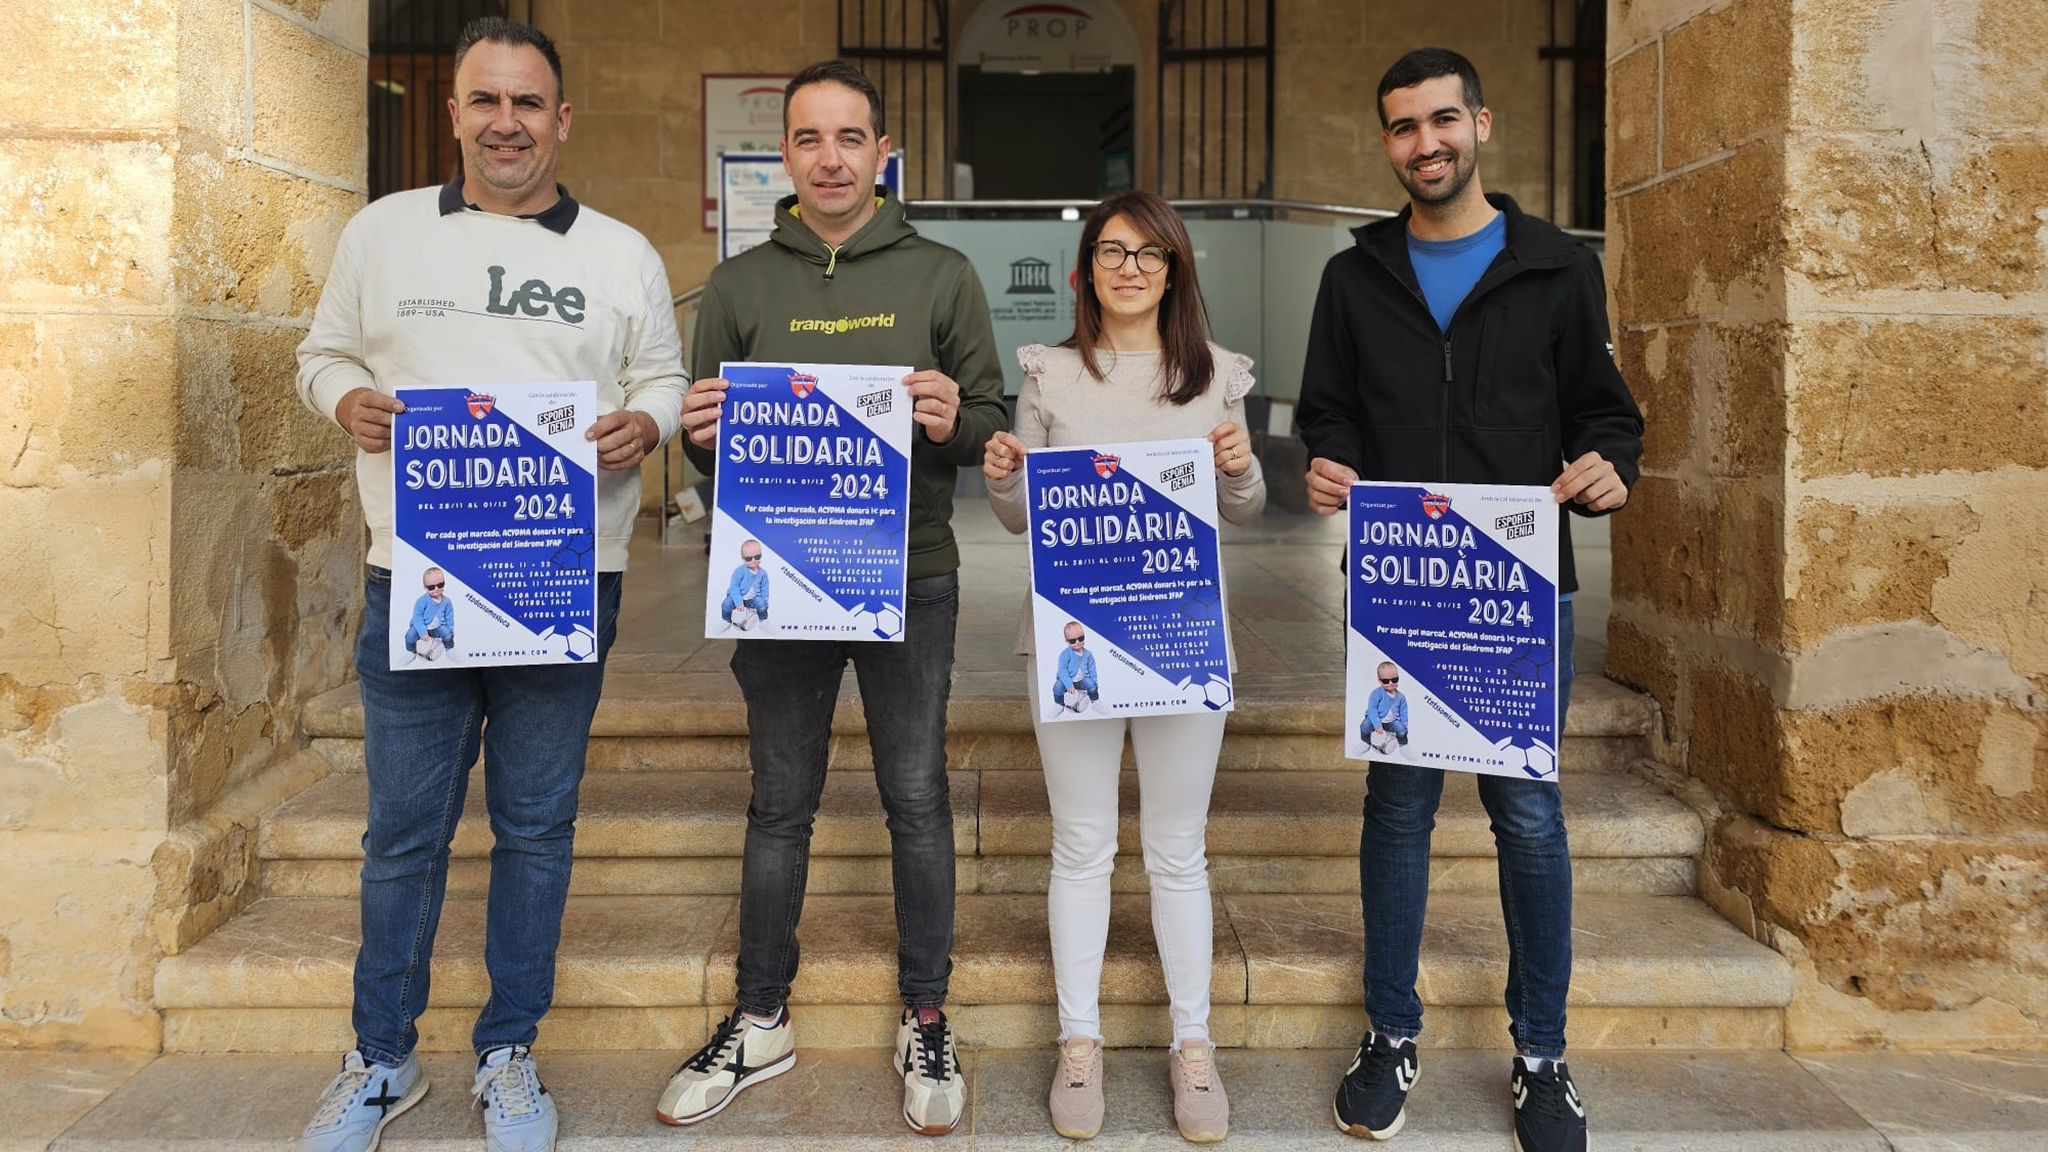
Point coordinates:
[(741, 114), (811, 505), (1451, 634), (1127, 612), (494, 541)]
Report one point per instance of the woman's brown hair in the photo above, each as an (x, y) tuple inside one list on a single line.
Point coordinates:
[(1186, 366)]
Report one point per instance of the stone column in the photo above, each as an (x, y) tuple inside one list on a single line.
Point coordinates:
[(184, 543), (1829, 260)]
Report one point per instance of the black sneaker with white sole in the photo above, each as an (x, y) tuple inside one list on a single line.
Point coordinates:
[(1549, 1116), (1373, 1098)]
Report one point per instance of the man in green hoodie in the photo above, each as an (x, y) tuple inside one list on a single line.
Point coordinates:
[(846, 280)]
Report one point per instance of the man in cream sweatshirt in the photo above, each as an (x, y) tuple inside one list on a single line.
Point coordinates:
[(499, 277)]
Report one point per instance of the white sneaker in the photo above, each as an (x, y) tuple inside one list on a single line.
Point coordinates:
[(934, 1091), (740, 1052), (519, 1115), (357, 1104)]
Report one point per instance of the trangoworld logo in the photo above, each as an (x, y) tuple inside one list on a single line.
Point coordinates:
[(480, 405), (803, 384), (535, 299), (1106, 466), (1435, 505), (833, 326)]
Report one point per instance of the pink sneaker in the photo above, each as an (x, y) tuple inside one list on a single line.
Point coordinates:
[(1077, 1089), (1199, 1106)]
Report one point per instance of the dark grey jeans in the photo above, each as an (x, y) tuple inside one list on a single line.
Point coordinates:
[(791, 687)]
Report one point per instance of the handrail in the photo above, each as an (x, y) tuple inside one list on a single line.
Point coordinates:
[(687, 296)]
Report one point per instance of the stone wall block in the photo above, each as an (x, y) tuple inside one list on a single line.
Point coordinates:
[(1864, 218), (88, 223), (1658, 367), (98, 65), (639, 22), (1643, 659), (685, 23), (276, 432), (1997, 576), (1856, 567), (1735, 743), (210, 113), (310, 99), (1632, 22), (1705, 244), (1921, 926), (28, 413), (1911, 396), (1991, 214), (82, 961), (80, 603), (252, 239), (205, 549), (1993, 63), (347, 21), (1742, 371), (1710, 557), (1916, 765), (1632, 117), (636, 77), (56, 753), (1716, 105), (1865, 65), (109, 371), (611, 144)]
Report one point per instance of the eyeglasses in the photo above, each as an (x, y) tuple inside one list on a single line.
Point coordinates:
[(750, 559), (1076, 639), (1390, 679), (437, 587), (1112, 255)]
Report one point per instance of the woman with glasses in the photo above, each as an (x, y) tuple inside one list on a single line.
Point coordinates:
[(1138, 366)]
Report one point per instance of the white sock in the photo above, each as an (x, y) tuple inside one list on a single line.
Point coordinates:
[(760, 1022), (1535, 1064)]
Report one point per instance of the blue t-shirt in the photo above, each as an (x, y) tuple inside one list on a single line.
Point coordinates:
[(1447, 269)]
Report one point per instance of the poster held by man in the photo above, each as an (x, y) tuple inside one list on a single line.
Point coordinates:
[(494, 546), (1451, 627)]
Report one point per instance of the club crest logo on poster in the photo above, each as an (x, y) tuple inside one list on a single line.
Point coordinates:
[(480, 404), (1106, 465), (803, 384), (1435, 504)]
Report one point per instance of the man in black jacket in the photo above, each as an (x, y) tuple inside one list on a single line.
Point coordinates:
[(1466, 342)]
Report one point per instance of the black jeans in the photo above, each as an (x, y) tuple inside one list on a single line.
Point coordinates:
[(791, 687)]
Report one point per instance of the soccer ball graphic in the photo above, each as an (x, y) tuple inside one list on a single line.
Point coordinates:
[(1536, 761), (578, 645), (1215, 694), (888, 623)]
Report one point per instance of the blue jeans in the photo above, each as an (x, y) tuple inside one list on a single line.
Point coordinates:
[(1535, 888), (791, 687), (421, 734)]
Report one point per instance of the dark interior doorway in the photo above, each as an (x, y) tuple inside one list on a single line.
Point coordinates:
[(1050, 136)]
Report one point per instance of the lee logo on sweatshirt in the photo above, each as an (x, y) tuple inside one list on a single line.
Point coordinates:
[(536, 299)]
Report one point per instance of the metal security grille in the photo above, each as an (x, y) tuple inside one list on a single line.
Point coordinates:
[(902, 46), (1215, 99), (412, 74)]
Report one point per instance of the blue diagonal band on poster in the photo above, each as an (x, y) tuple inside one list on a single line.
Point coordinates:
[(1526, 661), (430, 533), (793, 541), (1196, 660)]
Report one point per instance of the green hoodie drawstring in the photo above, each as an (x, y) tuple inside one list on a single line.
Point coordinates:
[(833, 263)]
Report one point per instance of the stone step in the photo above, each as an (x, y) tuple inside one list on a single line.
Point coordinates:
[(681, 833), (642, 971), (697, 721), (1638, 1101)]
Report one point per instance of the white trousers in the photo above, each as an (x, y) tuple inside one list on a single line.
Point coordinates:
[(1176, 768)]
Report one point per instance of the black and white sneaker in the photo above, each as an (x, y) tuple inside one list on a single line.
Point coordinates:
[(1373, 1099), (1549, 1116), (928, 1059), (740, 1052)]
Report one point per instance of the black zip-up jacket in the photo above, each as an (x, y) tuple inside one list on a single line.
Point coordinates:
[(1522, 383)]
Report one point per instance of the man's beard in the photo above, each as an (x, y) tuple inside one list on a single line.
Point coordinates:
[(1464, 165)]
